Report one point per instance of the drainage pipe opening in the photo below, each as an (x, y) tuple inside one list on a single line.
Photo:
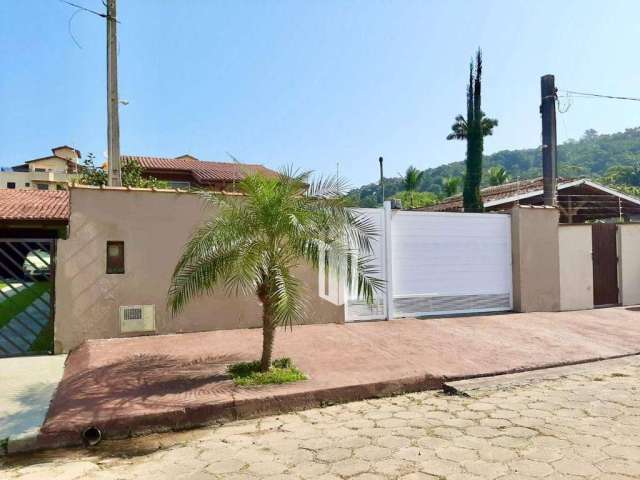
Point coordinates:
[(91, 436)]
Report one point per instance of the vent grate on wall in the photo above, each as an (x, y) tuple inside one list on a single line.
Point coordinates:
[(433, 305), (137, 318)]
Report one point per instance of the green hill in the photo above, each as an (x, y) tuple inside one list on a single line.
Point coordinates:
[(592, 156)]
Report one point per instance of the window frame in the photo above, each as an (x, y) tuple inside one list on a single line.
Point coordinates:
[(117, 268)]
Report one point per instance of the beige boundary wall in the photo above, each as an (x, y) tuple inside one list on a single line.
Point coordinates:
[(576, 267), (535, 257), (154, 227), (629, 263)]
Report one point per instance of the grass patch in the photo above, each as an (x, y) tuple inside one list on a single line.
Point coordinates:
[(281, 371), (12, 306), (44, 341)]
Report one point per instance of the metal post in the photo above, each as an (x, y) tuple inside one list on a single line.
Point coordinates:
[(381, 180), (113, 122), (549, 138), (388, 261)]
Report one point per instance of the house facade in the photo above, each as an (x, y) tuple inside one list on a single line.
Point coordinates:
[(578, 200), (52, 172)]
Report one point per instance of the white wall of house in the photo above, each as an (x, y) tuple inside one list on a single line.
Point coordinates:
[(576, 267), (629, 263)]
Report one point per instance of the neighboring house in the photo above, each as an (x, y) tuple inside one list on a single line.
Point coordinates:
[(187, 171), (53, 172), (579, 200)]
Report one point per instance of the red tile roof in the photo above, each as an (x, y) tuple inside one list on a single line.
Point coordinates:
[(34, 205), (491, 194), (203, 172)]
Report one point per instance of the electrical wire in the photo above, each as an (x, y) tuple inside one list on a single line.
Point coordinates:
[(574, 94)]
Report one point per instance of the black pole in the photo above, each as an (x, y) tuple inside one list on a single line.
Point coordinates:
[(381, 181), (549, 139)]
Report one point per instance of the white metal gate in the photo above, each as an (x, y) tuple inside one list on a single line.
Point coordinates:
[(439, 263)]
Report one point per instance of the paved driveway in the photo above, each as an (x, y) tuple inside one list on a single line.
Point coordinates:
[(580, 422)]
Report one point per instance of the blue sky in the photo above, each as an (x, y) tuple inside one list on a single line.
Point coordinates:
[(309, 82)]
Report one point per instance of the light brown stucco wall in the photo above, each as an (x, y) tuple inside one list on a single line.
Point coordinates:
[(629, 263), (576, 267), (154, 227), (535, 253)]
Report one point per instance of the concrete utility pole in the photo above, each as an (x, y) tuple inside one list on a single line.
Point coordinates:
[(549, 139), (113, 121)]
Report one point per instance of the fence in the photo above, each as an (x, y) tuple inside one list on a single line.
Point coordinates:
[(438, 263), (26, 296)]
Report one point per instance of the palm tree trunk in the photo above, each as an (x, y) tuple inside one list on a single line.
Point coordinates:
[(268, 335)]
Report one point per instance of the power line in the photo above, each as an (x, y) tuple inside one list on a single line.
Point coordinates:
[(575, 94), (103, 15)]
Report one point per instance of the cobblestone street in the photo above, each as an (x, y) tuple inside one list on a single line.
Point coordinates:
[(571, 423)]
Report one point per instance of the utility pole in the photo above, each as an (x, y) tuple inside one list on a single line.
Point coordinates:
[(548, 93), (381, 180), (113, 121)]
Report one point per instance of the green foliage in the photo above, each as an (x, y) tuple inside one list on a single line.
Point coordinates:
[(131, 172), (91, 174), (450, 186), (255, 244), (497, 175), (473, 129), (591, 156), (623, 175), (412, 179), (412, 199), (282, 371)]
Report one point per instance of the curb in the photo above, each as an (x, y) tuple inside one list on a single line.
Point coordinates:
[(209, 414), (217, 414), (460, 385)]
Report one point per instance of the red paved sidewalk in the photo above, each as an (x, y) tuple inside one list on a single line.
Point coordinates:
[(176, 381)]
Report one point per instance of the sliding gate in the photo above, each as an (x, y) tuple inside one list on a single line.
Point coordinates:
[(26, 296), (438, 264)]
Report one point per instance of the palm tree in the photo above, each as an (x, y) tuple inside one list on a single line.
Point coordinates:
[(473, 129), (450, 186), (459, 128), (255, 243), (497, 175), (411, 181)]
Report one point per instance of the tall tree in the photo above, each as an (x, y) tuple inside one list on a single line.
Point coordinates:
[(473, 129), (255, 243), (497, 175)]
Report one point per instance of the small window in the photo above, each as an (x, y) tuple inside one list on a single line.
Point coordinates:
[(40, 169), (115, 257), (27, 184), (42, 186), (11, 184)]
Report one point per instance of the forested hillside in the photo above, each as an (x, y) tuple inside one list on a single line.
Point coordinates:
[(592, 156)]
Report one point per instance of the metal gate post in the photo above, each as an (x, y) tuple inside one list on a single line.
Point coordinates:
[(388, 262)]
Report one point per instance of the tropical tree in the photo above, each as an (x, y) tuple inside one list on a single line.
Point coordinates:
[(416, 199), (623, 175), (497, 175), (254, 245), (473, 129), (411, 182), (450, 186)]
